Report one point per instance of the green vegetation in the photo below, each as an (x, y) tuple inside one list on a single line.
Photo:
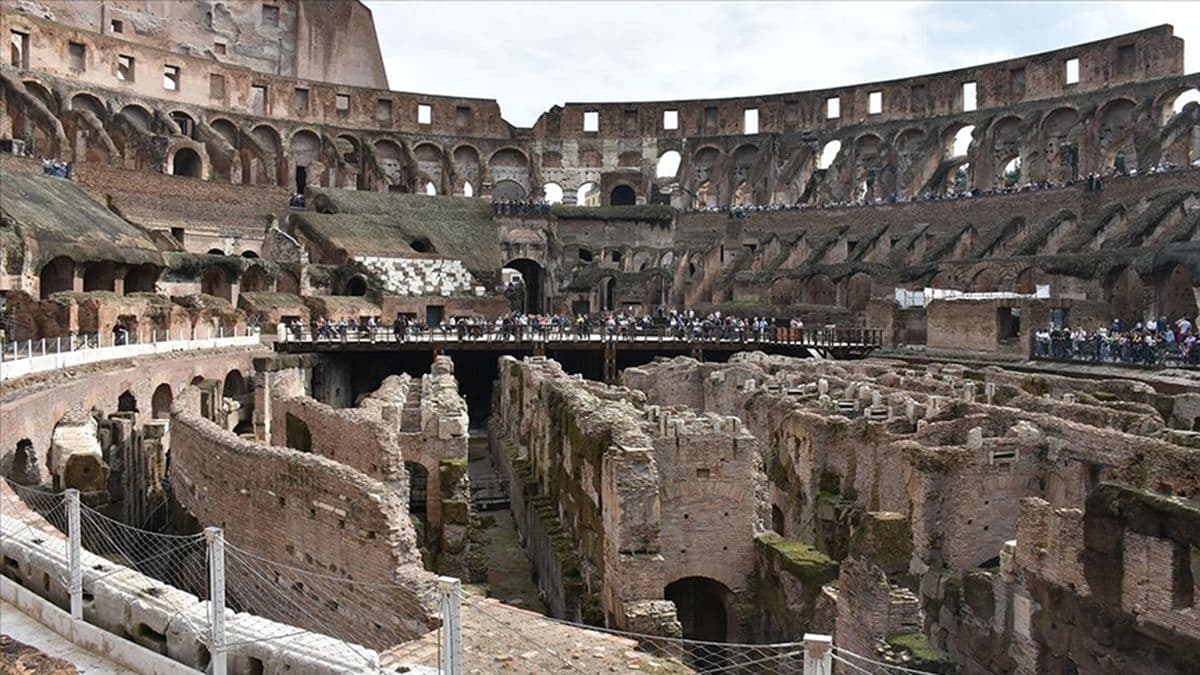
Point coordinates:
[(802, 560)]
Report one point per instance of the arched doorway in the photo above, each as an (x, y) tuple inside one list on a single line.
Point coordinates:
[(356, 285), (127, 402), (216, 283), (702, 605), (1126, 295), (533, 277), (141, 279), (234, 385), (160, 402), (608, 294), (622, 195), (509, 190), (99, 276), (186, 163), (56, 276), (1176, 294)]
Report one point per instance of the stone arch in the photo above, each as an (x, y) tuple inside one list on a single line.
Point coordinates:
[(819, 289), (957, 139), (216, 282), (43, 93), (127, 402), (1114, 132), (91, 103), (356, 286), (829, 154), (533, 276), (606, 289), (287, 282), (25, 470), (141, 279), (304, 148), (186, 123), (641, 260), (1059, 156), (668, 164), (508, 189), (234, 384), (1126, 295), (255, 279), (784, 291), (1027, 280), (868, 160), (1176, 293), (140, 115), (552, 192), (858, 291), (984, 281), (186, 162), (160, 402), (512, 165), (622, 195), (702, 605), (99, 276), (429, 163), (704, 161), (56, 276), (265, 168), (227, 129), (389, 156)]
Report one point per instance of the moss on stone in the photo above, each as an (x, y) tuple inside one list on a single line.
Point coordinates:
[(801, 560), (917, 645), (456, 511)]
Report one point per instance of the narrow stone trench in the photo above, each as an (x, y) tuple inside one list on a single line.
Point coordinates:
[(509, 572)]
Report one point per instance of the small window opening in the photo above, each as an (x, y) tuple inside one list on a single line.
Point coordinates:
[(424, 113), (19, 46), (968, 96), (833, 108), (124, 68), (670, 119), (300, 100), (117, 26), (341, 102), (171, 78), (219, 48), (462, 117), (78, 55), (216, 86), (750, 121), (875, 103), (270, 15), (591, 121), (258, 99), (1072, 71), (383, 110)]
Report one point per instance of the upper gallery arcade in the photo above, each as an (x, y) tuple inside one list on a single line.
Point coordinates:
[(292, 93)]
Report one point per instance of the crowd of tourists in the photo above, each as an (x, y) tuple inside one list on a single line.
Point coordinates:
[(676, 324), (56, 168), (520, 207), (1093, 182), (1153, 342)]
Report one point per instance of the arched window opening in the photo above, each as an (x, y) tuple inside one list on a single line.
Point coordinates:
[(528, 296), (160, 402), (249, 254), (702, 606), (216, 283), (622, 195), (185, 122), (422, 245), (98, 276), (588, 194), (127, 402), (828, 154), (357, 286), (234, 385), (430, 189), (553, 193), (608, 294), (962, 141), (1181, 101), (57, 276), (141, 279), (668, 164), (777, 522), (509, 190), (1012, 173), (215, 251), (468, 190), (586, 255), (186, 163)]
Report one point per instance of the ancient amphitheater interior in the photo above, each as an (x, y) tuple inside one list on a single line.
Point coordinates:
[(302, 374)]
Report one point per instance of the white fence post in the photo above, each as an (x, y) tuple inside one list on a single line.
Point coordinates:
[(74, 554), (818, 654), (451, 590), (216, 590)]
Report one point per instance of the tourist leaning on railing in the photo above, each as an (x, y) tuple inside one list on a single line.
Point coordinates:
[(1155, 342)]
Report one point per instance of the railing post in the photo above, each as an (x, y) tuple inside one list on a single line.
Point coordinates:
[(43, 346), (451, 590), (216, 588), (29, 348), (818, 654), (74, 554), (58, 344)]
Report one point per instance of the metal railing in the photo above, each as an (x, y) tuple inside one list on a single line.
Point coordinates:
[(24, 357), (829, 336), (1117, 352)]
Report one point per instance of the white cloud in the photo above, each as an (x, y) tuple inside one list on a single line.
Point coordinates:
[(533, 55)]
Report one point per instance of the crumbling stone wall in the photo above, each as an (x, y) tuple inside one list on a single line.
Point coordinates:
[(309, 512)]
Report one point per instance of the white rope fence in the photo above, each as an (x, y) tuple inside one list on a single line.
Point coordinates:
[(365, 624)]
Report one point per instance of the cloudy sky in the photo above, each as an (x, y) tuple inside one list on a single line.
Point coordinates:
[(533, 55)]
